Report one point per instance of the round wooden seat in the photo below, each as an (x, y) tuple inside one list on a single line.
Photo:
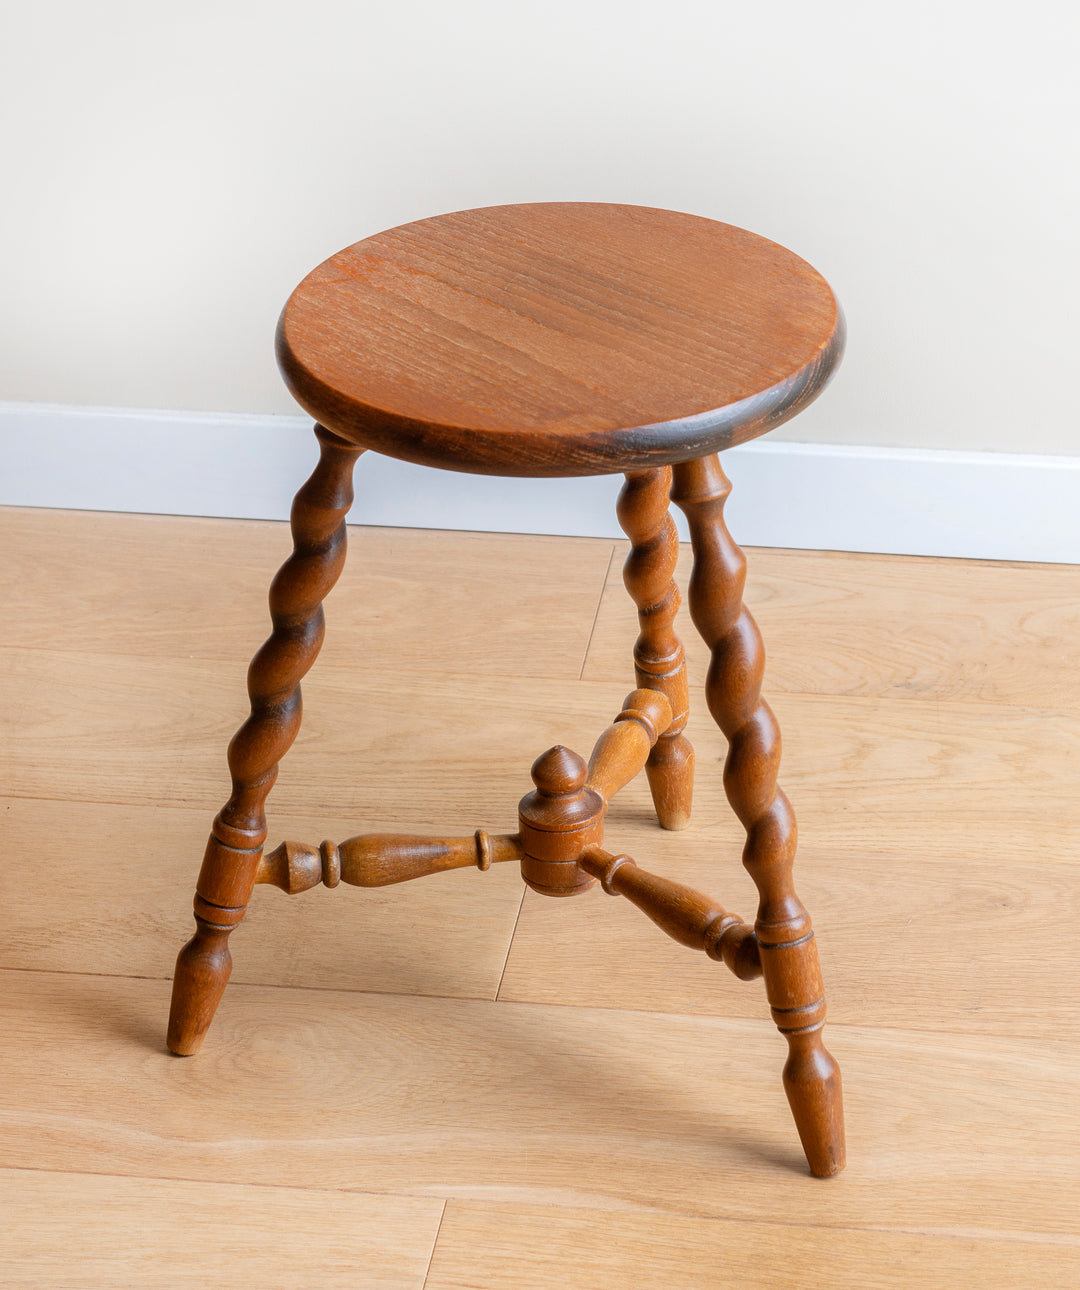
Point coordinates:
[(558, 338)]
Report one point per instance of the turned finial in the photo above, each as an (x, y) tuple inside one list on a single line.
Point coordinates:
[(559, 772), (560, 800), (558, 819)]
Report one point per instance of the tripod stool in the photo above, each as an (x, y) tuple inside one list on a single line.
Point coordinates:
[(555, 339)]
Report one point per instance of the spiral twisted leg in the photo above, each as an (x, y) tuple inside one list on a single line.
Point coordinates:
[(659, 662), (239, 831), (789, 958)]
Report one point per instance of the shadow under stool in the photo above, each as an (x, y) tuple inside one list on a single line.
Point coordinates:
[(556, 339)]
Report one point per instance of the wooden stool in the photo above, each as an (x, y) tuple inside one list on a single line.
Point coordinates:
[(553, 340)]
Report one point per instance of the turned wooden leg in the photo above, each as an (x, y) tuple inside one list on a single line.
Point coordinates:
[(239, 831), (659, 662), (789, 960)]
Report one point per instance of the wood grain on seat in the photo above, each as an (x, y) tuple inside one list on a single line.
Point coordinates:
[(558, 338)]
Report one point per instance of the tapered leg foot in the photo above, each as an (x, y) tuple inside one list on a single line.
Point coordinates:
[(202, 972), (670, 772), (812, 1085)]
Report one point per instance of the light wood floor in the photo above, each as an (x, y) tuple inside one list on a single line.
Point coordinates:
[(445, 1085)]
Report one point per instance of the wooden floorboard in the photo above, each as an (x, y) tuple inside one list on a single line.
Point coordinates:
[(943, 940), (127, 872), (580, 1107), (593, 1104), (474, 603), (131, 866), (451, 753), (891, 626), (488, 1247), (104, 727), (73, 1230)]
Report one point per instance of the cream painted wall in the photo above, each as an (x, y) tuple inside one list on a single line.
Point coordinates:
[(173, 169)]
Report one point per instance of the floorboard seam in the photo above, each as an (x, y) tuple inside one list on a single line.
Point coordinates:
[(596, 616), (224, 1182), (762, 1020), (510, 946), (1020, 1236), (434, 1244)]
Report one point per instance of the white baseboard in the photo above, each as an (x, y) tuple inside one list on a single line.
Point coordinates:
[(995, 506)]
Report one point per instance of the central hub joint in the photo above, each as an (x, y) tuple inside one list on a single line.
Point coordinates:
[(558, 820)]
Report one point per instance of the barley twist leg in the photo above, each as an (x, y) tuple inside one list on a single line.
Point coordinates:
[(239, 831), (789, 958), (659, 663)]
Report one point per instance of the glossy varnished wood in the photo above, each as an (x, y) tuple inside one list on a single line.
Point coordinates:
[(236, 840), (563, 818), (554, 339), (562, 338), (686, 915), (630, 741), (659, 660), (788, 954), (565, 812), (381, 859)]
